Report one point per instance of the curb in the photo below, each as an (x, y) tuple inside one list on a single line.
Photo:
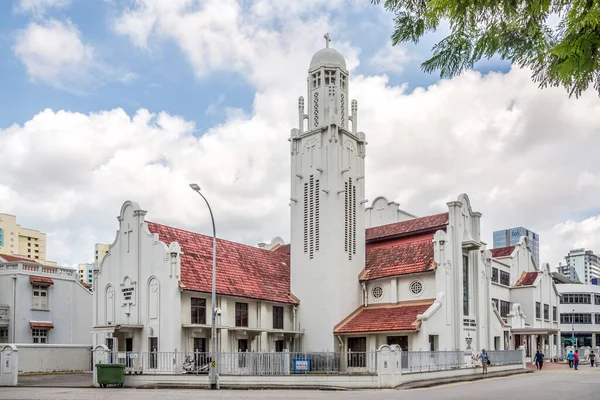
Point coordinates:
[(466, 378)]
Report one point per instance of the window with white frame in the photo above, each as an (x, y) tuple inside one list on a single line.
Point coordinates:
[(40, 297), (39, 335)]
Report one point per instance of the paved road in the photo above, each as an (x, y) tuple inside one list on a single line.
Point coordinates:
[(561, 384)]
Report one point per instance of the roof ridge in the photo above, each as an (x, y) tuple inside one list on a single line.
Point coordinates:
[(210, 237)]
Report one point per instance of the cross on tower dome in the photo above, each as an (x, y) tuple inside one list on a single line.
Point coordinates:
[(327, 57)]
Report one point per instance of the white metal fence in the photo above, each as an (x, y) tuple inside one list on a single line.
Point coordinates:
[(505, 357), (427, 361), (246, 363), (288, 363)]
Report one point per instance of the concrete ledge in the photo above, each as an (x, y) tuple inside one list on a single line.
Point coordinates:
[(330, 382), (418, 384)]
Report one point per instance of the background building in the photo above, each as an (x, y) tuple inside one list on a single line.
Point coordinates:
[(42, 304), (579, 313), (101, 250), (85, 273), (581, 266), (510, 237), (16, 240)]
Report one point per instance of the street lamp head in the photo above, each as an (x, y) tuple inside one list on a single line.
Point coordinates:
[(195, 187)]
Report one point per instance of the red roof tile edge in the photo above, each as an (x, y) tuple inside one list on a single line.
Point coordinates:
[(40, 279), (192, 266), (36, 324), (10, 258), (408, 227), (527, 279), (415, 307), (502, 251)]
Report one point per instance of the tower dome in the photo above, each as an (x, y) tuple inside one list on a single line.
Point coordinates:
[(327, 57)]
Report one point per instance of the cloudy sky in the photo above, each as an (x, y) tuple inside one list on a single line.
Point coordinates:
[(114, 100)]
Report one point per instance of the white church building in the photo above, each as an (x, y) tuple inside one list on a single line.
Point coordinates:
[(352, 278)]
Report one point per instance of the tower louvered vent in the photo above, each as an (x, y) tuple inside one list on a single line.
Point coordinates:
[(311, 216), (350, 218), (316, 109), (343, 110)]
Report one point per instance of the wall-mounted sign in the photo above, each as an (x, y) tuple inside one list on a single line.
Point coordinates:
[(127, 293)]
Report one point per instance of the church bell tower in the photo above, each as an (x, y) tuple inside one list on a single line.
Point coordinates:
[(327, 202)]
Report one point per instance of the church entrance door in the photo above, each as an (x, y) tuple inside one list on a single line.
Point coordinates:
[(200, 352), (128, 350)]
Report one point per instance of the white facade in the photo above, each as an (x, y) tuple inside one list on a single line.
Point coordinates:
[(383, 212), (327, 202), (143, 302), (42, 304), (527, 300), (580, 313)]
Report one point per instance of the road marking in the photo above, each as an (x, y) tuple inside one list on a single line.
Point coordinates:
[(460, 383)]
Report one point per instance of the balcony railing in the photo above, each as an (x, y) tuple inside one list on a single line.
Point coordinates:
[(38, 269), (4, 312)]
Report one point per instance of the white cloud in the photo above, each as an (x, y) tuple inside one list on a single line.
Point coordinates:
[(391, 58), (54, 53), (71, 172), (569, 235), (40, 6), (523, 155)]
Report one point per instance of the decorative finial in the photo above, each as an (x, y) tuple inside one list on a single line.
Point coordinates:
[(327, 39)]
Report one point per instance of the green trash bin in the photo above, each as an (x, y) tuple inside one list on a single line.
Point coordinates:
[(110, 374)]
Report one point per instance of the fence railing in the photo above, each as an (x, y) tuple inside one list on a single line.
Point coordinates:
[(426, 361), (246, 363), (505, 357), (290, 363)]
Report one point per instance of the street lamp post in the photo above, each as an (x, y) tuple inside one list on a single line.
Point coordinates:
[(573, 328), (213, 345)]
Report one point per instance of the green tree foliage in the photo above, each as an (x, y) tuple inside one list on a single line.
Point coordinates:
[(517, 30)]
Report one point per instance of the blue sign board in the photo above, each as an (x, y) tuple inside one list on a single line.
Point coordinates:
[(301, 364)]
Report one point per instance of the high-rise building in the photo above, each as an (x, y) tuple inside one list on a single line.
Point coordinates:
[(18, 241), (85, 273), (581, 266), (101, 250), (510, 237)]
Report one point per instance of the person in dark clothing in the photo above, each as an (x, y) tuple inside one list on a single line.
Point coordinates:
[(539, 359), (592, 358)]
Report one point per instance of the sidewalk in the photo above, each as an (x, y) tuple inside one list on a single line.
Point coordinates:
[(457, 379)]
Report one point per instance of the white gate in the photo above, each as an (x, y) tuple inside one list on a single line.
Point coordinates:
[(9, 365)]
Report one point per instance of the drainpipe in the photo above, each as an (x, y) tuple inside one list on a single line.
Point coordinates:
[(14, 319), (365, 297), (294, 308)]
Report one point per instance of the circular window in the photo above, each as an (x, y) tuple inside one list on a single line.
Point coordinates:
[(416, 288), (377, 292)]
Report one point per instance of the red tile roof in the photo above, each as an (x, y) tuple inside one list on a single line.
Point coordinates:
[(242, 270), (527, 279), (40, 280), (384, 318), (17, 259), (502, 251), (404, 256), (413, 226), (43, 325)]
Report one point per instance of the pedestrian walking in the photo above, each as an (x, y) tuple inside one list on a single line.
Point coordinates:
[(539, 359), (570, 358), (576, 359), (592, 358), (485, 360)]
